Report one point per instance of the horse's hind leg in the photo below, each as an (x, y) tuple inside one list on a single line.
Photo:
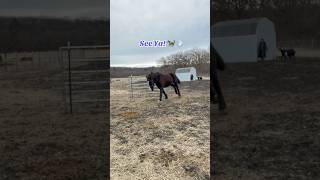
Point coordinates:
[(178, 90), (165, 94), (175, 89)]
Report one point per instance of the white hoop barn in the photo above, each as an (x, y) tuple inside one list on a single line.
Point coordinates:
[(237, 40), (187, 74)]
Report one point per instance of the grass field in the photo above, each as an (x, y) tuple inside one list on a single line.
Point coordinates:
[(38, 140), (160, 140), (271, 129)]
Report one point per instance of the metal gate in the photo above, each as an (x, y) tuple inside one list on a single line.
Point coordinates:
[(138, 87), (86, 76)]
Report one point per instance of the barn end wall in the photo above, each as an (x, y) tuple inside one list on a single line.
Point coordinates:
[(244, 48), (237, 48), (186, 76)]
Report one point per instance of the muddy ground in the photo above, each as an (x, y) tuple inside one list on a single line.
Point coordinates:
[(271, 129), (38, 140), (160, 140)]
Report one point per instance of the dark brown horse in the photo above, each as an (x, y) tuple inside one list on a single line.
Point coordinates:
[(162, 81), (216, 63)]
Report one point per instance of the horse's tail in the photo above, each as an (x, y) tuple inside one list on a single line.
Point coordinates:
[(175, 78)]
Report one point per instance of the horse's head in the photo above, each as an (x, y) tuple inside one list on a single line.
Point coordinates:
[(150, 79)]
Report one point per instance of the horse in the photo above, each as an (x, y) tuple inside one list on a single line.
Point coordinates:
[(216, 63), (162, 81), (287, 53)]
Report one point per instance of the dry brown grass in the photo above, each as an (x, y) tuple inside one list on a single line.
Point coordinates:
[(271, 128), (38, 140), (160, 140)]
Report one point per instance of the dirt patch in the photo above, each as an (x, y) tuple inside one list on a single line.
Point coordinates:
[(129, 115)]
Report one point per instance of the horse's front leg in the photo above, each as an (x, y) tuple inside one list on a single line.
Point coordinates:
[(212, 94), (217, 88)]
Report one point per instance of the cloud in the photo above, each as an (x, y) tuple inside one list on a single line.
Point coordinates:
[(134, 20)]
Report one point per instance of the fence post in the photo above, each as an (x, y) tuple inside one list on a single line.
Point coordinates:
[(70, 85), (16, 61), (39, 59), (131, 86)]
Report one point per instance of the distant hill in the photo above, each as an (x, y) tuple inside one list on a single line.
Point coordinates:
[(42, 34), (122, 72)]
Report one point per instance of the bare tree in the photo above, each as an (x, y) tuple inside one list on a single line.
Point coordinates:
[(198, 58)]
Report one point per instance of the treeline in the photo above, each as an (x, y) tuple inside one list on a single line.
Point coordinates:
[(294, 19), (41, 34), (198, 58), (123, 72)]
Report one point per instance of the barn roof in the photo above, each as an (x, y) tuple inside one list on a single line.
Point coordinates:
[(241, 27), (184, 70), (240, 21)]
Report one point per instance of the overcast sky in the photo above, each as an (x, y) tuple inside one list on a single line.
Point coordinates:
[(56, 8), (135, 20)]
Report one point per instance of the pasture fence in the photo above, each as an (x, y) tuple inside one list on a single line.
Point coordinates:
[(86, 78)]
